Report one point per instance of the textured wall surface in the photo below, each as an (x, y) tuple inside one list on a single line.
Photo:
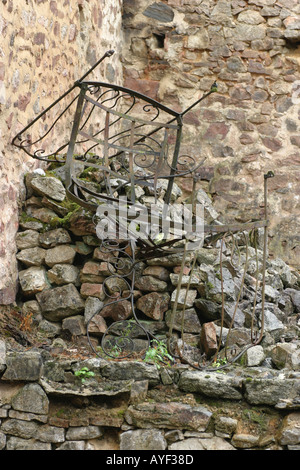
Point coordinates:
[(44, 47), (174, 50)]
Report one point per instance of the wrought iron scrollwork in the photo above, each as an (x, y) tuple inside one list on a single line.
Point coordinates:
[(121, 135)]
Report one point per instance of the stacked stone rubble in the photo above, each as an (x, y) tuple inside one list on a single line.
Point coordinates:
[(66, 278)]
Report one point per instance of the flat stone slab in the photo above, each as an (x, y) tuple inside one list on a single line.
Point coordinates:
[(101, 388), (169, 415), (212, 384)]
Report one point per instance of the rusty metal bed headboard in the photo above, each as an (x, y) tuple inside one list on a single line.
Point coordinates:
[(128, 140)]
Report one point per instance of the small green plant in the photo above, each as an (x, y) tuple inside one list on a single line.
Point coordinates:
[(84, 373), (219, 362), (158, 353)]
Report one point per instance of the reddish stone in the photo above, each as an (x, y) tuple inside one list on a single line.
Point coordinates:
[(154, 304), (2, 71), (208, 339), (105, 255), (272, 144), (246, 139), (256, 67), (157, 271), (146, 87), (97, 325), (23, 101), (216, 130), (295, 140), (58, 422), (39, 38), (92, 290), (118, 311), (186, 270)]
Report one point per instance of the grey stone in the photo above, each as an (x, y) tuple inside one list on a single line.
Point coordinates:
[(185, 298), (192, 443), (32, 256), (23, 366), (2, 355), (33, 280), (225, 426), (27, 239), (93, 305), (63, 274), (2, 440), (250, 17), (150, 283), (32, 399), (48, 186), (132, 370), (20, 428), (191, 323), (255, 356), (271, 391), (60, 302), (72, 445), (52, 434), (28, 416), (139, 391), (60, 254), (249, 32), (192, 281), (170, 260), (159, 11), (210, 384), (17, 443), (77, 433), (294, 295), (74, 324), (284, 355), (216, 443), (290, 430), (54, 237), (143, 439), (49, 329)]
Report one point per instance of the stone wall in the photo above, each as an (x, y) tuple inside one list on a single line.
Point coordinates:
[(175, 49), (45, 46), (135, 406)]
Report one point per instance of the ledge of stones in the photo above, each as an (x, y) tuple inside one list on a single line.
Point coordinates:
[(157, 409), (173, 407)]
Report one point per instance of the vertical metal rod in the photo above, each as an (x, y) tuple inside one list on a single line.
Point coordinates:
[(265, 248), (174, 162), (76, 123), (131, 169)]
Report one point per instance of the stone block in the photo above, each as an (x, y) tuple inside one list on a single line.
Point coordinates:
[(63, 274), (27, 239), (23, 366), (32, 256), (143, 439), (48, 186), (54, 237), (170, 415), (60, 302), (60, 254), (33, 280)]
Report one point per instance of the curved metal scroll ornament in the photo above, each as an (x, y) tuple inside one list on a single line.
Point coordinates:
[(125, 140), (118, 339)]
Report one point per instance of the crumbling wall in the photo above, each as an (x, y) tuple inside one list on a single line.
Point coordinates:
[(45, 46), (175, 49)]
